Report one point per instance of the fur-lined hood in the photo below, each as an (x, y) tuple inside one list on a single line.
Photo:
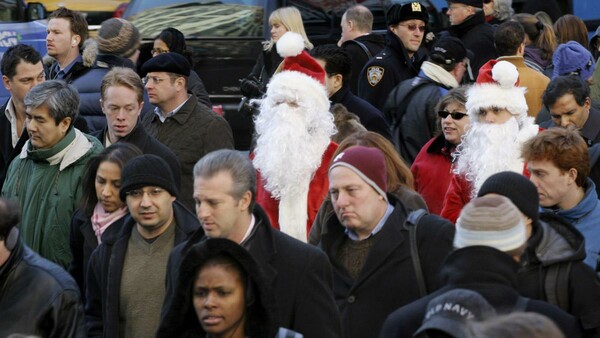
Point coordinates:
[(88, 54)]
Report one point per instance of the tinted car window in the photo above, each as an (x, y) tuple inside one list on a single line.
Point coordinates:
[(8, 11), (199, 18)]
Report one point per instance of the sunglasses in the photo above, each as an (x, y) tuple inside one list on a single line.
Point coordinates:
[(412, 26), (457, 116)]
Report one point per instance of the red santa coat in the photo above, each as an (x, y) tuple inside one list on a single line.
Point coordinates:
[(317, 191), (459, 194)]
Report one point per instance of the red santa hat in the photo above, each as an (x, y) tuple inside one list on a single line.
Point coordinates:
[(291, 47), (497, 86)]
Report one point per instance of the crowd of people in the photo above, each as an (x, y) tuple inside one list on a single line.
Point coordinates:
[(407, 185)]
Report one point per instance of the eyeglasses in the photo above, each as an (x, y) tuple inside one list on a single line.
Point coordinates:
[(156, 51), (456, 115), (139, 193), (412, 26), (154, 79)]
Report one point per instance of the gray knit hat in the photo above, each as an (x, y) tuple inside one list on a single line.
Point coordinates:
[(118, 36), (493, 221)]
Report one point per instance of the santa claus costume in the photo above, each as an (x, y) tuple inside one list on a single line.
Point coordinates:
[(294, 147), (489, 148)]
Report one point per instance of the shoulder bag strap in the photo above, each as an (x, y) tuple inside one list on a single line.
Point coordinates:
[(412, 221), (364, 48)]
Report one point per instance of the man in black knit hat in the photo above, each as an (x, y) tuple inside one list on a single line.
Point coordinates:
[(128, 303)]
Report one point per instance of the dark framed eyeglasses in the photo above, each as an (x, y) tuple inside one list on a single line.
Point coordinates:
[(412, 26), (456, 115)]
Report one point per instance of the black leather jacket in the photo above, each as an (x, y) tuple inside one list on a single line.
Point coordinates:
[(37, 297)]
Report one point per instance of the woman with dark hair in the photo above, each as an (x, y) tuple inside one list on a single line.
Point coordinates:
[(399, 178), (172, 40), (431, 168), (220, 293), (101, 213)]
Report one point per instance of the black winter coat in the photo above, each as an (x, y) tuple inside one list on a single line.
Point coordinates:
[(386, 70), (387, 279), (555, 241), (83, 242), (105, 272), (478, 37), (374, 43), (370, 117), (39, 298), (491, 273), (148, 145), (410, 110), (298, 275)]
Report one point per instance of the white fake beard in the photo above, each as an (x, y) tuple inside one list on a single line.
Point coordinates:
[(487, 149), (291, 142)]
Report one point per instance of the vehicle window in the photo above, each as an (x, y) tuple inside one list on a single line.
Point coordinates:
[(8, 11), (226, 18)]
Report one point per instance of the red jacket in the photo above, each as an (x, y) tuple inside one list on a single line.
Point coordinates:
[(431, 170), (317, 191), (459, 194)]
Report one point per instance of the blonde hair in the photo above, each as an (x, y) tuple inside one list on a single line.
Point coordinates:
[(291, 19)]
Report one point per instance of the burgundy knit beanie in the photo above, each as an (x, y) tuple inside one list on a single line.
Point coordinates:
[(368, 163)]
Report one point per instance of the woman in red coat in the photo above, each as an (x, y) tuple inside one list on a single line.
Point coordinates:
[(431, 168)]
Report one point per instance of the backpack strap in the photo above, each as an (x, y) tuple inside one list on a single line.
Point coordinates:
[(411, 223), (556, 284), (363, 47)]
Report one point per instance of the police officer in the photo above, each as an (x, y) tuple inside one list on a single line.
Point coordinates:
[(402, 56)]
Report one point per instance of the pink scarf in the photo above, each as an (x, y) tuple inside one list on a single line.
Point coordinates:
[(102, 219)]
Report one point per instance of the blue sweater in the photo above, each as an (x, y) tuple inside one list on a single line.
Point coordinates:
[(585, 216)]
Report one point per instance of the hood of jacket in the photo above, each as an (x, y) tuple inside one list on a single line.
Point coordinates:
[(479, 265), (554, 240), (93, 58), (535, 54)]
